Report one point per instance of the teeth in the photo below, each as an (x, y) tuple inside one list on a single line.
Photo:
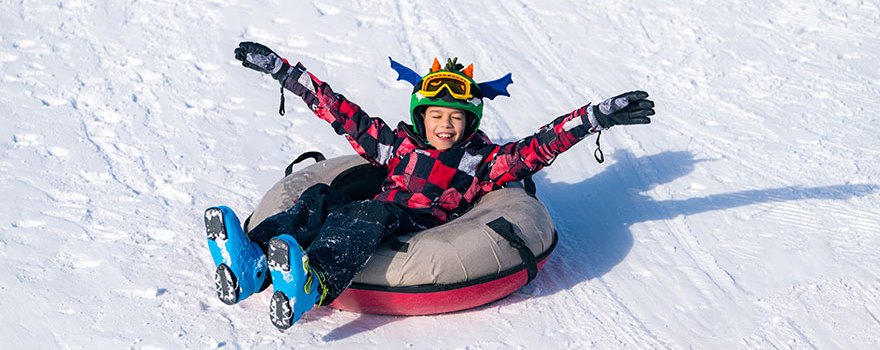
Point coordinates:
[(444, 135)]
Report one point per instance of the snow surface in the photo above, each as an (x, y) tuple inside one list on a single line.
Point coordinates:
[(746, 216)]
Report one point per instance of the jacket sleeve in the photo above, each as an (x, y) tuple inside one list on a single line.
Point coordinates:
[(520, 159), (370, 137)]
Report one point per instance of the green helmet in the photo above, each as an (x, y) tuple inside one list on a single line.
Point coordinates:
[(453, 87)]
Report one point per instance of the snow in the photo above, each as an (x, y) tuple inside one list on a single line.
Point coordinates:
[(746, 216)]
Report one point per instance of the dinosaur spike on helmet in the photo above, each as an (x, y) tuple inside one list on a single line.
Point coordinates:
[(436, 66), (469, 71)]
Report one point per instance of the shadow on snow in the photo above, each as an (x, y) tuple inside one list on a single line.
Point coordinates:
[(593, 219)]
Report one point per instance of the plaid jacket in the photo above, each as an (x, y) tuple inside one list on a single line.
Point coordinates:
[(437, 186)]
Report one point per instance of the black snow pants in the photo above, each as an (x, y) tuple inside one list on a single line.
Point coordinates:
[(339, 235)]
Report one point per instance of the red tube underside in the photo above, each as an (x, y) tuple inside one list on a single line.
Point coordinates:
[(412, 304)]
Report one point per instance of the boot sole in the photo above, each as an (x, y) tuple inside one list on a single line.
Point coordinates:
[(214, 225), (226, 285), (280, 312), (279, 255)]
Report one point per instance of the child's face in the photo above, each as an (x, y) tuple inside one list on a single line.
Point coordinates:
[(444, 126)]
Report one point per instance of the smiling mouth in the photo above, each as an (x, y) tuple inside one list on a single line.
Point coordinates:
[(444, 136)]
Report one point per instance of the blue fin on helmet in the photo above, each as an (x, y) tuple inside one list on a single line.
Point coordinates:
[(405, 73), (494, 88)]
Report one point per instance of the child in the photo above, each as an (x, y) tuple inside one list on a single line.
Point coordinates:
[(437, 168)]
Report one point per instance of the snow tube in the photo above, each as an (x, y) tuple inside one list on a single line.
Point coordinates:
[(484, 255)]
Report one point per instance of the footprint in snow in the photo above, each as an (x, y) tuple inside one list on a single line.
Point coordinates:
[(26, 140), (58, 152), (24, 44), (6, 58), (326, 9), (28, 223)]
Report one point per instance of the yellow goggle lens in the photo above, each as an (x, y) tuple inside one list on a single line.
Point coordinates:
[(458, 87)]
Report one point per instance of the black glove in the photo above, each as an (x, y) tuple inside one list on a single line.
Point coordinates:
[(262, 59), (625, 109)]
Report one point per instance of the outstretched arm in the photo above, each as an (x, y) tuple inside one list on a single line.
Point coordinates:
[(520, 159), (370, 137)]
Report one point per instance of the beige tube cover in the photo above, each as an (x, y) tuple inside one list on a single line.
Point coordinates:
[(462, 250)]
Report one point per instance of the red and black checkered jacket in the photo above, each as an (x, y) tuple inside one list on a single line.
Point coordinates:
[(437, 186)]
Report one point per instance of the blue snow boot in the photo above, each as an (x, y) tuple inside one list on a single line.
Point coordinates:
[(298, 286), (240, 264)]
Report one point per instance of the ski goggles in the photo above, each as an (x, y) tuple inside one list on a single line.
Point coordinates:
[(457, 86)]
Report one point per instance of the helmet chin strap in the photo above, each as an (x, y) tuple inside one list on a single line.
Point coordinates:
[(471, 127), (419, 123)]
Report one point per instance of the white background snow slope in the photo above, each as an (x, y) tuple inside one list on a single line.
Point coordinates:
[(746, 216)]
